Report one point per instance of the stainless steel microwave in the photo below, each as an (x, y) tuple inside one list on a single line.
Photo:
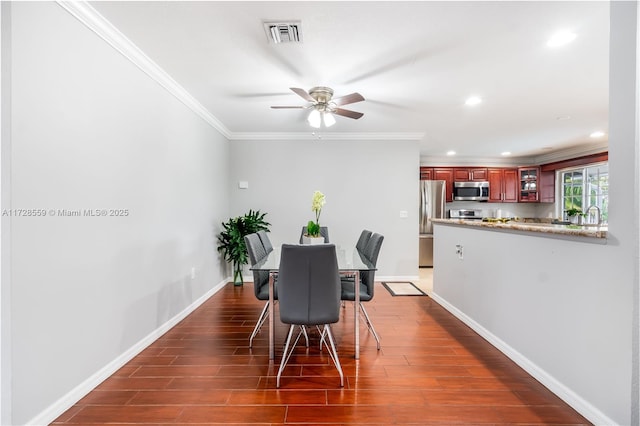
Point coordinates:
[(470, 191)]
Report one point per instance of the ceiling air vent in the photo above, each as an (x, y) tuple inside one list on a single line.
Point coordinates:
[(283, 32)]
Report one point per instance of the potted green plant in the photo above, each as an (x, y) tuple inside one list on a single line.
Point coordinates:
[(231, 239), (574, 215), (313, 228)]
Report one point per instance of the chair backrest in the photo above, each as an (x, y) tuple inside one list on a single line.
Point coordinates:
[(363, 240), (256, 252), (309, 284), (371, 251), (324, 231), (255, 248), (266, 242)]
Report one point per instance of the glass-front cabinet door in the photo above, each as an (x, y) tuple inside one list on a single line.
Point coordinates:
[(529, 184)]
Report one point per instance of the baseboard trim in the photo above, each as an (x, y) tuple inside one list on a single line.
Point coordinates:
[(583, 407), (67, 401)]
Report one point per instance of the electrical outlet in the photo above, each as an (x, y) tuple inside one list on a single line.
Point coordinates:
[(459, 251)]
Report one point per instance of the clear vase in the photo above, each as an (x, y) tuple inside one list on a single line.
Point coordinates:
[(237, 274)]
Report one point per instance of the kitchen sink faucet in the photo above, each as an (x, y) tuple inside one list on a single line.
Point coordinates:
[(598, 216)]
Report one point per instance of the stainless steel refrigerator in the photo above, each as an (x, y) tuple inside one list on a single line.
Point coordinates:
[(432, 202)]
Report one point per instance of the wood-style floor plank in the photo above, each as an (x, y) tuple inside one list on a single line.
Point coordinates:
[(431, 370)]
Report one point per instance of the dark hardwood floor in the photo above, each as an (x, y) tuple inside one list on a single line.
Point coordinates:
[(432, 369)]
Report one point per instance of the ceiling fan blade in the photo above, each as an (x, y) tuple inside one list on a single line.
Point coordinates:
[(302, 93), (286, 107), (347, 113), (348, 99)]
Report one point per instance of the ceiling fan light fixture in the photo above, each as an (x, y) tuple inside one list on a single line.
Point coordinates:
[(328, 119), (314, 118)]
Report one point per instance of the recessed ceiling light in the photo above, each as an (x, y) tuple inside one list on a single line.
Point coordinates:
[(506, 153), (561, 38), (473, 101), (451, 153), (597, 134), (563, 117)]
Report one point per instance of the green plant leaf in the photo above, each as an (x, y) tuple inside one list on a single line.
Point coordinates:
[(231, 238), (313, 229)]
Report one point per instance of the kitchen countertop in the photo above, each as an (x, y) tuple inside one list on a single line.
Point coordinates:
[(537, 227)]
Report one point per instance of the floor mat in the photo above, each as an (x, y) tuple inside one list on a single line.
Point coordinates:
[(403, 288)]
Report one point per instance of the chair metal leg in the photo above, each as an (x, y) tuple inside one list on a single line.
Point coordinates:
[(287, 351), (261, 320), (370, 325), (323, 334), (332, 352), (306, 336)]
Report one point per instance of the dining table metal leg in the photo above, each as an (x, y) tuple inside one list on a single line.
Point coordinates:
[(272, 322), (356, 314)]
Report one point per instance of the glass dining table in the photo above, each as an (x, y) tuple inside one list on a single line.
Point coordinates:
[(350, 263)]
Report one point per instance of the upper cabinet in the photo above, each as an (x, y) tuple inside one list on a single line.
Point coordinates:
[(426, 173), (470, 174), (440, 173), (503, 185), (445, 174), (547, 184), (529, 184)]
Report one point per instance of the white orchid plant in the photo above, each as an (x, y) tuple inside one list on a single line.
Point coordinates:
[(313, 228)]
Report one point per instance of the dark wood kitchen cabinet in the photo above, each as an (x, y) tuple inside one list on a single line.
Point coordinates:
[(426, 173), (547, 186), (445, 174), (503, 185), (529, 184), (470, 174)]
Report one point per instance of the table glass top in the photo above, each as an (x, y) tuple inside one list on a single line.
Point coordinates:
[(349, 259)]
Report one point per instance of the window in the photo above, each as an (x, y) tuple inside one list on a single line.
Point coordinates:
[(583, 187)]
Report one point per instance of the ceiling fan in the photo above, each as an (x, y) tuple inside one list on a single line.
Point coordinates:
[(323, 106)]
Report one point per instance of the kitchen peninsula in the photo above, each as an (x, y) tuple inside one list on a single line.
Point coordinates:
[(547, 228), (538, 293)]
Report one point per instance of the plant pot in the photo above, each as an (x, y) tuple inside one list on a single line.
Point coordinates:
[(237, 274), (312, 240)]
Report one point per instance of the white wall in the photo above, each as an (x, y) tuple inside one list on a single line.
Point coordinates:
[(5, 237), (366, 184), (566, 310), (560, 305), (92, 131)]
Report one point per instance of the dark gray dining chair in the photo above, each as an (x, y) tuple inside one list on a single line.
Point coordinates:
[(256, 252), (367, 280), (324, 232), (309, 295), (365, 235), (363, 240), (266, 242)]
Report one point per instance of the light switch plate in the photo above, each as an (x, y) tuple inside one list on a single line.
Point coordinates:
[(404, 213), (243, 184)]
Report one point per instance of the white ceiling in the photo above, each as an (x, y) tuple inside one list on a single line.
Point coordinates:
[(414, 62)]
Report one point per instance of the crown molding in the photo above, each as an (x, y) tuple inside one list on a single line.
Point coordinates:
[(97, 23), (462, 161), (270, 136), (573, 152)]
